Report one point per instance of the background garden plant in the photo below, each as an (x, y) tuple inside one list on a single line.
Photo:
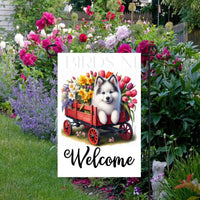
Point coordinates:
[(175, 87)]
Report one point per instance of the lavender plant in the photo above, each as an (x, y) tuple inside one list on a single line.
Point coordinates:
[(36, 108)]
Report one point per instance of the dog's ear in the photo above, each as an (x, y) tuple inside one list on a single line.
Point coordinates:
[(99, 80), (113, 79)]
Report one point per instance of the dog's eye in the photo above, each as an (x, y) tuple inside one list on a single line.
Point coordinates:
[(103, 92), (111, 92)]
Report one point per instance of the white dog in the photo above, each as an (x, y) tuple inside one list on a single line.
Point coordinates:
[(107, 98)]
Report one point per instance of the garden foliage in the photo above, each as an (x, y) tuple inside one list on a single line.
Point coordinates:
[(175, 80)]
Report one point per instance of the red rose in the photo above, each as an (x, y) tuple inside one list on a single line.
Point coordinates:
[(83, 37), (102, 73), (88, 11), (122, 8), (124, 48), (110, 16)]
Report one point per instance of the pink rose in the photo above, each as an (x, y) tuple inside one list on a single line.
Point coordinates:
[(22, 53), (88, 11), (50, 19), (41, 23), (29, 59), (130, 86), (46, 43), (125, 98), (131, 105), (59, 44), (124, 48), (102, 73), (121, 84), (34, 37), (133, 93), (83, 37), (126, 79)]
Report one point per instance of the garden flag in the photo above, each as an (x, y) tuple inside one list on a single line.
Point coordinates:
[(99, 115)]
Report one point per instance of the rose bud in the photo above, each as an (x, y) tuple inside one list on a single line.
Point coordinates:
[(133, 93), (130, 86), (127, 79), (125, 98)]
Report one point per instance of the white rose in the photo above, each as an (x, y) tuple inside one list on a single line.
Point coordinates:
[(61, 25), (19, 39), (43, 33), (2, 45)]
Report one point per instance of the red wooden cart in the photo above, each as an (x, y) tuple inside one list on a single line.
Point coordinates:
[(87, 116)]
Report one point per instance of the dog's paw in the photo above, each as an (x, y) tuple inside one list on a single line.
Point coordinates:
[(115, 116), (102, 117)]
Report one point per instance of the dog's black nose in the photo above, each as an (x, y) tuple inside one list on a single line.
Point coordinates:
[(107, 98)]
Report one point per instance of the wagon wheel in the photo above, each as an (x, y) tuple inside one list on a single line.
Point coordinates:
[(129, 131), (94, 136), (67, 127)]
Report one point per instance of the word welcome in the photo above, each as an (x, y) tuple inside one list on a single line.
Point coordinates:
[(96, 159)]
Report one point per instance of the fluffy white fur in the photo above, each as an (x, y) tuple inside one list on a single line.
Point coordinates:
[(107, 98)]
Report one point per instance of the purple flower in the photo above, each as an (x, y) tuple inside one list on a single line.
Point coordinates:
[(111, 42), (137, 191), (122, 32)]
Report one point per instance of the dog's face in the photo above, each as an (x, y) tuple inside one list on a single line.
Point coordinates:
[(106, 90)]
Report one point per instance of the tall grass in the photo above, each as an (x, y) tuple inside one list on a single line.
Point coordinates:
[(28, 168)]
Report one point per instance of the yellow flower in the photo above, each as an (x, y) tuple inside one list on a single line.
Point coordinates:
[(81, 92), (90, 81), (91, 93), (82, 80)]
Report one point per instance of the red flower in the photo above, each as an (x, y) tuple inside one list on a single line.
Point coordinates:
[(118, 78), (133, 93), (130, 86), (88, 11), (122, 8), (108, 74), (69, 37), (110, 16), (121, 85), (143, 48), (83, 37), (47, 19), (124, 48), (102, 73), (126, 79), (128, 93), (125, 98)]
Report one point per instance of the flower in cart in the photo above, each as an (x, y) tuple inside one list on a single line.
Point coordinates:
[(72, 95), (82, 80), (90, 81)]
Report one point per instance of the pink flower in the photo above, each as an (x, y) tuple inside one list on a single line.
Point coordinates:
[(130, 86), (123, 32), (121, 84), (50, 19), (34, 37), (46, 43), (95, 74), (134, 101), (122, 8), (165, 55), (91, 72), (125, 98), (178, 63), (23, 76), (88, 11), (111, 197), (69, 37), (118, 78), (78, 27), (126, 79), (128, 93), (124, 48), (133, 93), (83, 37), (102, 73), (143, 48), (13, 115), (47, 19), (110, 16), (59, 44), (131, 105), (29, 59), (22, 53), (41, 23)]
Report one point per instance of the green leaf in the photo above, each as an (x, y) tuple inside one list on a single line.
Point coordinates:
[(156, 119), (196, 67)]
